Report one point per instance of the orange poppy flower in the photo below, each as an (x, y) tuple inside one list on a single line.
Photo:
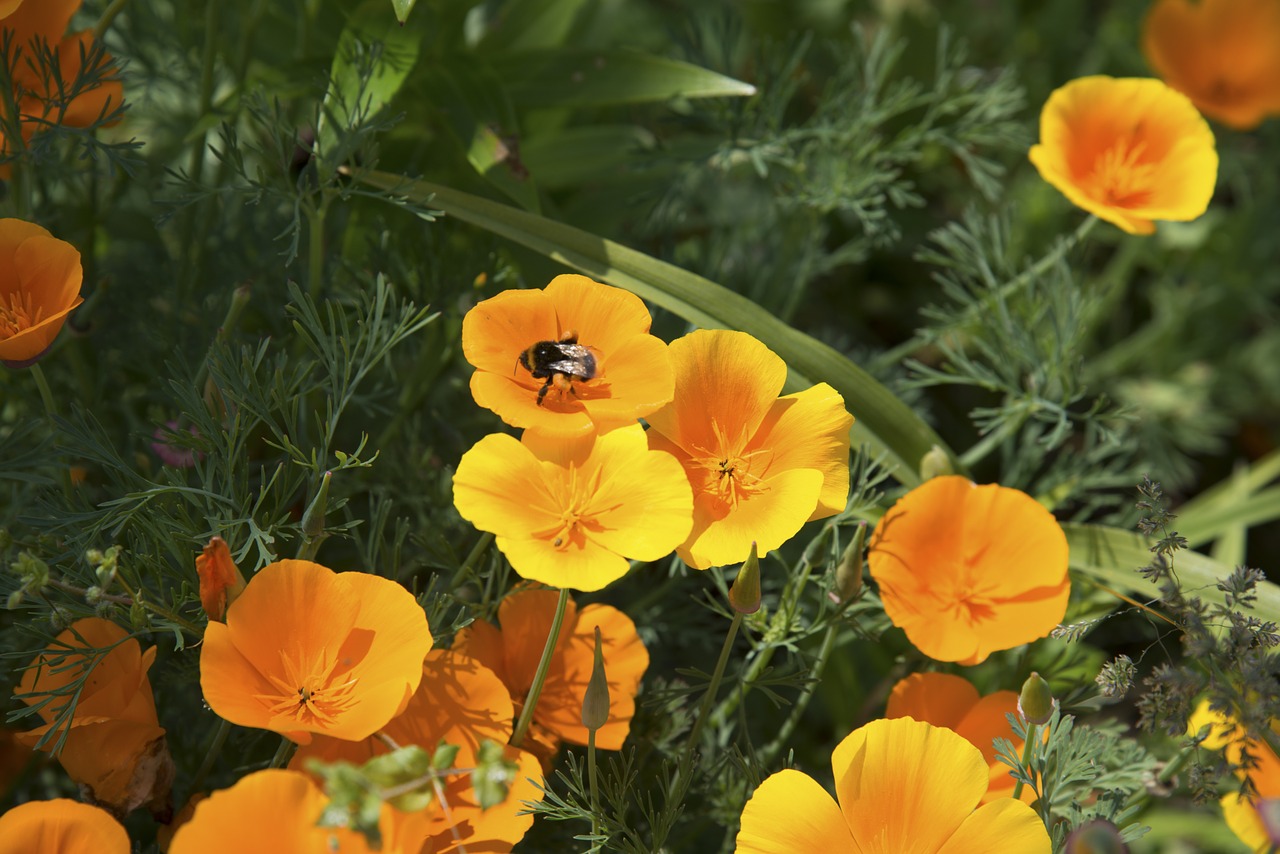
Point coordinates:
[(952, 702), (220, 578), (1222, 54), (570, 512), (966, 570), (39, 286), (760, 465), (115, 748), (61, 826), (307, 650), (462, 703), (1127, 150), (271, 810), (512, 652), (901, 785), (597, 367), (40, 103), (1240, 813)]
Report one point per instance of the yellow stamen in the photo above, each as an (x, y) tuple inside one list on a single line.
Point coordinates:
[(17, 313)]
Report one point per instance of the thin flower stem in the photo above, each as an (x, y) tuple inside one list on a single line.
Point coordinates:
[(315, 247), (713, 687), (195, 168), (211, 755), (1027, 750), (283, 753), (46, 396), (540, 677), (477, 551), (802, 702), (591, 776), (107, 17)]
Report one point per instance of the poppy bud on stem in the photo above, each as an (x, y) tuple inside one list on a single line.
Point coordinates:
[(313, 520), (595, 714), (1036, 704), (744, 595), (848, 583)]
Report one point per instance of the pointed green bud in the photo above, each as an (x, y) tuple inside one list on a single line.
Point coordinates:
[(1095, 837), (744, 595), (595, 705), (313, 519), (935, 464), (1036, 702), (849, 571)]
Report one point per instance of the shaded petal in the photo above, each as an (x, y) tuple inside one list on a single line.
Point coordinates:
[(13, 233), (92, 104), (1012, 622), (61, 826), (47, 19), (638, 378), (492, 831), (496, 331), (941, 699), (115, 687), (515, 401), (790, 812), (810, 430), (526, 616), (768, 518), (120, 763), (482, 641), (906, 784), (1003, 825), (723, 379)]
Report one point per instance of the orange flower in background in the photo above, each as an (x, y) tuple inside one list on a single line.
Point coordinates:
[(901, 785), (1222, 54), (1127, 150), (273, 810), (760, 465), (512, 652), (115, 748), (966, 570), (40, 102), (1241, 814), (307, 650), (40, 279), (567, 360), (462, 703), (570, 512), (952, 702), (61, 826), (220, 578)]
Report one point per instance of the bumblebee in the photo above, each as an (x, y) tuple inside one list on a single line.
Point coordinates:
[(559, 363)]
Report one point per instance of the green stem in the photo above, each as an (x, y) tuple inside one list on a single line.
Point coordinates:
[(283, 753), (477, 551), (713, 687), (107, 17), (46, 396), (211, 755), (591, 775), (315, 248), (195, 166), (1027, 751), (540, 677), (802, 702)]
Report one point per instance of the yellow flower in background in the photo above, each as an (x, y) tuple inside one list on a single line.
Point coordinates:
[(760, 465), (307, 650), (950, 701), (573, 358), (1241, 814), (966, 570), (40, 278), (61, 826), (1127, 150), (571, 512), (901, 785), (115, 747), (1222, 54)]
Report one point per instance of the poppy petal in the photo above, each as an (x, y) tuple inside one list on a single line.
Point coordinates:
[(639, 379), (604, 317), (941, 699), (515, 402), (526, 616), (810, 430), (496, 331), (482, 641), (1002, 825), (61, 826), (790, 812), (767, 518)]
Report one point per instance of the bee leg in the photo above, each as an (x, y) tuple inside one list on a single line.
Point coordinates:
[(542, 392)]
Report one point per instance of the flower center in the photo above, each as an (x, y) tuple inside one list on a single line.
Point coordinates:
[(1121, 177), (577, 512), (17, 314), (307, 690), (731, 473)]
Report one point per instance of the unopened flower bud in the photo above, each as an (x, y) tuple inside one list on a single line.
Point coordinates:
[(1095, 837), (744, 595), (1036, 702), (92, 595), (313, 519), (33, 571), (936, 463), (849, 571), (220, 579), (595, 703), (94, 557)]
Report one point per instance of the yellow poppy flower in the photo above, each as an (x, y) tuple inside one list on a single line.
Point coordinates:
[(61, 826), (1240, 813), (40, 279), (462, 703), (950, 701), (512, 653), (1127, 150), (966, 570), (40, 102), (595, 366), (570, 512), (1222, 54), (760, 465), (115, 747), (901, 785), (306, 650), (220, 578)]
